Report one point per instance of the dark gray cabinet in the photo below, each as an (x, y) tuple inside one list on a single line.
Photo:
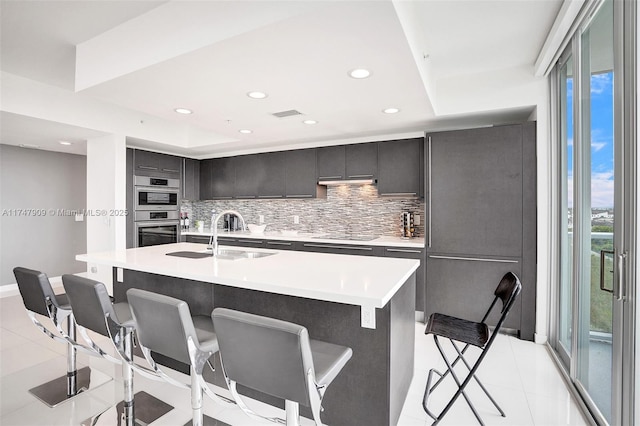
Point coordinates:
[(331, 162), (482, 210), (147, 163), (271, 175), (413, 253), (358, 250), (246, 181), (202, 239), (223, 176), (206, 174), (300, 174), (358, 161), (400, 168), (190, 179), (280, 245), (129, 195), (361, 161)]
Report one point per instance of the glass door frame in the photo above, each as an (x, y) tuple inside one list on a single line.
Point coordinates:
[(625, 389)]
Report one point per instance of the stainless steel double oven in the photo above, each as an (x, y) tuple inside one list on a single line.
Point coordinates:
[(157, 217)]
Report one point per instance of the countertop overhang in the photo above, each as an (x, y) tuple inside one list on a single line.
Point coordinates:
[(369, 282)]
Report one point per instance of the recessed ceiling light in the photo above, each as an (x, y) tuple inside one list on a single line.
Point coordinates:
[(64, 143), (390, 110), (257, 95), (183, 111), (245, 131), (359, 73), (310, 122)]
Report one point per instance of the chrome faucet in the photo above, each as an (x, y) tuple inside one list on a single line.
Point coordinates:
[(213, 241)]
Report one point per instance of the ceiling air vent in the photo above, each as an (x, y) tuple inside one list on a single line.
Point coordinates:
[(283, 114)]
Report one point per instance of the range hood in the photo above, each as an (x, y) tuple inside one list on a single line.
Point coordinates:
[(351, 180)]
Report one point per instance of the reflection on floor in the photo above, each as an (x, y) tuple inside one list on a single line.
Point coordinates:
[(520, 375)]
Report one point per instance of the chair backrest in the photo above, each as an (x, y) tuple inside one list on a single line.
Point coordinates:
[(89, 302), (34, 288), (507, 290), (265, 354), (163, 323)]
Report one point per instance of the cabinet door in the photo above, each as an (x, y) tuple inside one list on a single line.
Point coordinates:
[(464, 288), (358, 250), (223, 176), (191, 179), (202, 239), (146, 163), (300, 173), (206, 179), (399, 167), (331, 162), (361, 160), (169, 164), (421, 283), (247, 169), (130, 204), (271, 175), (280, 245), (476, 191)]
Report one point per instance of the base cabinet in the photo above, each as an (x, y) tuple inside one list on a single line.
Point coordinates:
[(413, 253)]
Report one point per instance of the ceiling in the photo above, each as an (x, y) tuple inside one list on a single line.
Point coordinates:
[(143, 59)]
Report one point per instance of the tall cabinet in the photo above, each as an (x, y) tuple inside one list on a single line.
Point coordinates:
[(481, 221)]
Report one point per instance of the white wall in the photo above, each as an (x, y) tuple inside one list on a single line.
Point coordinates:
[(106, 196)]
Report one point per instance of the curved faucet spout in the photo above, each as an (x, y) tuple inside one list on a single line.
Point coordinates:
[(213, 242)]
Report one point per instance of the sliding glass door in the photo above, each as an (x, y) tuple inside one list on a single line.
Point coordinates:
[(590, 298)]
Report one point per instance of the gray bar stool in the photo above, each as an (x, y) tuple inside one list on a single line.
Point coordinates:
[(165, 325), (39, 299), (277, 358), (93, 310)]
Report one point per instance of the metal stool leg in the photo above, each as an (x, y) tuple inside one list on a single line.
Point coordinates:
[(72, 372)]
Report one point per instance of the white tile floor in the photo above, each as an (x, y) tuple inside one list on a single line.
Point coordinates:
[(520, 375)]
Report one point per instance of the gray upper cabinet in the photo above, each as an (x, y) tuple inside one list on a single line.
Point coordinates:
[(300, 174), (206, 167), (147, 163), (361, 161), (247, 170), (358, 161), (331, 162), (271, 175), (223, 176), (400, 167), (191, 179)]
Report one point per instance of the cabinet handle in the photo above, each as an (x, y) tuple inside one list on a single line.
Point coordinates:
[(404, 251), (300, 196), (429, 189), (269, 196), (338, 247), (277, 243), (474, 259), (360, 176), (329, 177), (222, 198), (252, 241), (171, 170), (229, 240), (245, 196), (410, 194), (147, 168)]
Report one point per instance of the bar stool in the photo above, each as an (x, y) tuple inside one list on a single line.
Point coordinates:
[(39, 299), (165, 325), (93, 310), (469, 333), (277, 358)]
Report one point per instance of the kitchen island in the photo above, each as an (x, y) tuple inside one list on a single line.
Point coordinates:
[(366, 303)]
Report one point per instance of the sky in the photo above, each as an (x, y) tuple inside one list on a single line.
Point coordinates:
[(601, 119)]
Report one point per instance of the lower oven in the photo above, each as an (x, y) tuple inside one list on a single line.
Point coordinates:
[(156, 227)]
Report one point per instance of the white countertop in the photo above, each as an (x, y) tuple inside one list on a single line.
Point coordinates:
[(366, 281), (313, 237)]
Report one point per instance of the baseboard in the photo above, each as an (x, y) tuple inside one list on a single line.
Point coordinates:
[(540, 339), (10, 290)]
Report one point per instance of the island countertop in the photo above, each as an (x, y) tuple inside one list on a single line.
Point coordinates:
[(369, 282)]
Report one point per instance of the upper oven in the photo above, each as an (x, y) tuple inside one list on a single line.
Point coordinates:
[(156, 193)]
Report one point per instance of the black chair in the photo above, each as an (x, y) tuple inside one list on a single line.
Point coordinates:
[(39, 299), (470, 334), (277, 358)]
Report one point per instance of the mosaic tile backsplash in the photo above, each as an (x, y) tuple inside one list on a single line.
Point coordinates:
[(348, 209)]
